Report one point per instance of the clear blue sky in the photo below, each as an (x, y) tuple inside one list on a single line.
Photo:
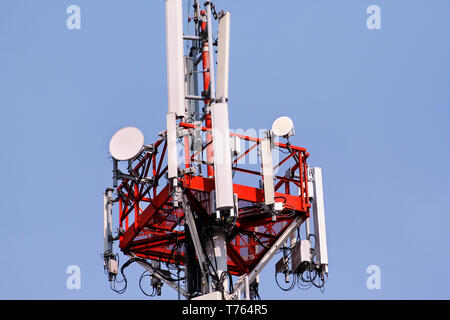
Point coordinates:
[(371, 106)]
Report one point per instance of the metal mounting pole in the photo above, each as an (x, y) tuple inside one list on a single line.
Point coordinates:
[(247, 287)]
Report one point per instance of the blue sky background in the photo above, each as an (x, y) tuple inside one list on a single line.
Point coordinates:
[(371, 106)]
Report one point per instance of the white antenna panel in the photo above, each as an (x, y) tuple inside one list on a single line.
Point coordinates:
[(223, 56), (172, 156), (126, 143), (175, 59), (319, 218), (267, 171), (222, 156)]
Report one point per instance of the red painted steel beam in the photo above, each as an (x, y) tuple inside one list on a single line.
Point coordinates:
[(197, 207), (244, 192), (236, 258), (144, 218), (247, 138)]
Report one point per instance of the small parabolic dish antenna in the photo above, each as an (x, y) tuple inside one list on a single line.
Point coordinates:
[(126, 143), (283, 126)]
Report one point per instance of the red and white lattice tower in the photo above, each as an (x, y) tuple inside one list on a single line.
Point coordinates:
[(202, 206)]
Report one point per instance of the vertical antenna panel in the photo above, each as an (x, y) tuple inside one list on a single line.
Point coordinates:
[(319, 218), (223, 56), (222, 156), (191, 89), (174, 54), (172, 155), (267, 171), (212, 84), (107, 221)]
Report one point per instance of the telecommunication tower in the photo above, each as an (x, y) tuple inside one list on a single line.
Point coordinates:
[(181, 213)]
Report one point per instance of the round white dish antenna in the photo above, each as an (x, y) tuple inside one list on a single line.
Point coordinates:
[(126, 143), (283, 126)]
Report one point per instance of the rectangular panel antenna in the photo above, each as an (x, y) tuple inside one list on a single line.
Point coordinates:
[(172, 155), (175, 59), (223, 57), (107, 221), (319, 218), (222, 156), (267, 171)]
